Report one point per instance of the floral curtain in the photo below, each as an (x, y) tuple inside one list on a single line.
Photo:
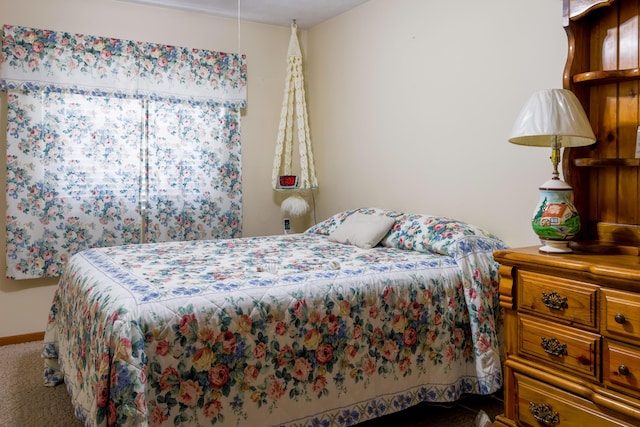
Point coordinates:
[(114, 142)]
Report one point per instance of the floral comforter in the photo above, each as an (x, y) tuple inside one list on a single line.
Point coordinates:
[(276, 330)]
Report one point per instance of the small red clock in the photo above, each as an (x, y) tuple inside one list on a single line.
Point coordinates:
[(288, 181)]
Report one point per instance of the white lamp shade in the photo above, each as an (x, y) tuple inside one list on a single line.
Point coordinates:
[(550, 115)]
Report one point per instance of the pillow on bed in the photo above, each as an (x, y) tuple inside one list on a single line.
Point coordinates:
[(362, 230), (330, 224), (427, 233)]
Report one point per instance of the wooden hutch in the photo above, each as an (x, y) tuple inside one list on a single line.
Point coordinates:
[(572, 321)]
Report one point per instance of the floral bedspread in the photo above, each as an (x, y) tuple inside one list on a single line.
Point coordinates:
[(276, 330)]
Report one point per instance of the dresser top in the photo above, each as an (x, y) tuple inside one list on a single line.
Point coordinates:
[(612, 269)]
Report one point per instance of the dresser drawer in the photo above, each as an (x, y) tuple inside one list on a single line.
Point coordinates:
[(621, 315), (621, 368), (557, 298), (560, 346), (539, 404)]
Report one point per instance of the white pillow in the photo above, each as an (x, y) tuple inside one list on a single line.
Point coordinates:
[(362, 230)]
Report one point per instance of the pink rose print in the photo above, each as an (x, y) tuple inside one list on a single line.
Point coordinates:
[(37, 47), (373, 312), (357, 332), (218, 375), (410, 337), (281, 328), (350, 352), (331, 323), (449, 353), (405, 364), (324, 353), (319, 383), (388, 296), (300, 308), (190, 392), (275, 388), (390, 350), (157, 416), (212, 408), (228, 340), (369, 366), (437, 319), (259, 351), (484, 343), (20, 52), (414, 310), (301, 369), (187, 322), (162, 348)]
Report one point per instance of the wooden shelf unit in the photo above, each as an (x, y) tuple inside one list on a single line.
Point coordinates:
[(603, 70)]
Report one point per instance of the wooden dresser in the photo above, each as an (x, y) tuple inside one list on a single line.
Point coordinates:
[(572, 321), (572, 339)]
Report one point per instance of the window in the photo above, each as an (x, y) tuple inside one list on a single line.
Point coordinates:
[(114, 142)]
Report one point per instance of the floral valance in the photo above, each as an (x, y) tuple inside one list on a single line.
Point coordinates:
[(43, 60)]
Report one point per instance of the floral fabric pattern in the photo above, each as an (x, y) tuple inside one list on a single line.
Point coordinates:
[(35, 60), (276, 330), (113, 142)]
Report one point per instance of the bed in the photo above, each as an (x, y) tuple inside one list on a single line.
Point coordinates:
[(366, 313)]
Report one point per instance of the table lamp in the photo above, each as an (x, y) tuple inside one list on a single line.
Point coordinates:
[(554, 118)]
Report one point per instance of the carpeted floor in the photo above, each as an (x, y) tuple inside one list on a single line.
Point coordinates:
[(26, 402)]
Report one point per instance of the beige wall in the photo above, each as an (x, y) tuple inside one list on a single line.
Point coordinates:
[(410, 103)]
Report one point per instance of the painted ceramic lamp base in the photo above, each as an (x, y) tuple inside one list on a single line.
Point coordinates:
[(555, 219)]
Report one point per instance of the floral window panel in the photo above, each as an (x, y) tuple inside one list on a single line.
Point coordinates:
[(70, 185), (114, 142), (194, 187)]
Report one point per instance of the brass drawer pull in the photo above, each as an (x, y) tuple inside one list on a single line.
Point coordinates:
[(553, 346), (623, 370), (543, 414), (554, 301), (619, 318)]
